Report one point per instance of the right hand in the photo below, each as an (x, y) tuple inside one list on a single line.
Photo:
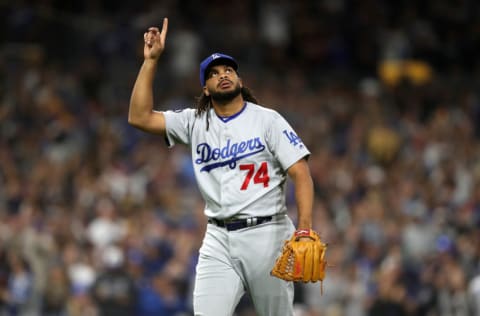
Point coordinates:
[(155, 41)]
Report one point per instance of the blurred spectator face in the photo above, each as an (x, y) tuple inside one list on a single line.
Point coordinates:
[(105, 208), (112, 257), (105, 229)]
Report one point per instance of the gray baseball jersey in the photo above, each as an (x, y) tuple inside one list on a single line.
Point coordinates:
[(240, 162)]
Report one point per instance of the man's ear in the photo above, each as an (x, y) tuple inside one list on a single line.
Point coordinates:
[(205, 91)]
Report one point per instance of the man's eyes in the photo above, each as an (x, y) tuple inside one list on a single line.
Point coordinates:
[(215, 73)]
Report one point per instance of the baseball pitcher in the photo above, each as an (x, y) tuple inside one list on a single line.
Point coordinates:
[(242, 154)]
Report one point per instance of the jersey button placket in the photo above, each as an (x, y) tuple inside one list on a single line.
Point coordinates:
[(226, 137), (224, 185), (224, 191)]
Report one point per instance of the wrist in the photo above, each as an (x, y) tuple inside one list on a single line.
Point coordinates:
[(302, 232), (150, 62), (304, 224)]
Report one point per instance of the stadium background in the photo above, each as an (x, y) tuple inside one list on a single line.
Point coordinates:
[(384, 93)]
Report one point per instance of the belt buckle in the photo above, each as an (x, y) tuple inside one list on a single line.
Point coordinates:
[(252, 221)]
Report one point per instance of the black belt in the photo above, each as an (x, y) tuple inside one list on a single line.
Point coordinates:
[(234, 224)]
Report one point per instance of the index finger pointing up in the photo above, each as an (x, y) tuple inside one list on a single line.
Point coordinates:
[(165, 27)]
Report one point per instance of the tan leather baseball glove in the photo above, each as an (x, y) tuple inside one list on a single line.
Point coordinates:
[(302, 260)]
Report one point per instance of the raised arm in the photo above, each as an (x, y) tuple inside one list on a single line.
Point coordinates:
[(141, 113)]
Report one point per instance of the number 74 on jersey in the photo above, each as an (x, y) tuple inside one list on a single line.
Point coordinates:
[(259, 176)]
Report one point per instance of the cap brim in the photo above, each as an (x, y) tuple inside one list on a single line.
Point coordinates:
[(222, 61)]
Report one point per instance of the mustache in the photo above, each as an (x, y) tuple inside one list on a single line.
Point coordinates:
[(221, 82)]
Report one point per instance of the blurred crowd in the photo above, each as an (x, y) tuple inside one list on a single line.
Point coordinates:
[(97, 218)]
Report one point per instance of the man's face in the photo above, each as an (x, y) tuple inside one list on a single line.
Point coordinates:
[(223, 83)]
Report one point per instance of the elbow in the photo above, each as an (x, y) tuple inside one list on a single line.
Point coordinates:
[(148, 122), (133, 118), (134, 122), (131, 121)]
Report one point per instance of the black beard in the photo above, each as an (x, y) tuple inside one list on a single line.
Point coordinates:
[(225, 97)]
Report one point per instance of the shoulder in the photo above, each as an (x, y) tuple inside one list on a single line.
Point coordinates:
[(265, 114), (257, 109)]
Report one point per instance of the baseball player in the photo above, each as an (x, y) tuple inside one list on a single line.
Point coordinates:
[(242, 154)]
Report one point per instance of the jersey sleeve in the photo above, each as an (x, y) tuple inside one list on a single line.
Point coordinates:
[(178, 126), (284, 143)]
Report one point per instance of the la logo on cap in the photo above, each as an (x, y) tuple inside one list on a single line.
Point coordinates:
[(214, 56)]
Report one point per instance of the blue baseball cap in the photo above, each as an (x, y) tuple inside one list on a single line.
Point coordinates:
[(215, 59)]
